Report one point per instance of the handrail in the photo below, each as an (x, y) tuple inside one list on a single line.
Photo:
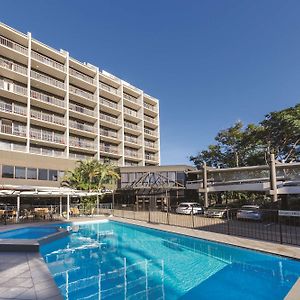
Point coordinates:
[(109, 103), (82, 143), (150, 107), (52, 118), (81, 109), (80, 126), (13, 108), (109, 118), (132, 126), (13, 45), (46, 98), (82, 76), (45, 135), (150, 132), (48, 80), (7, 64), (48, 61), (12, 87), (81, 93), (13, 129), (132, 112), (109, 149), (108, 133), (109, 88)]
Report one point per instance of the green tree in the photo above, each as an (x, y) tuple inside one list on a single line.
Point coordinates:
[(91, 175)]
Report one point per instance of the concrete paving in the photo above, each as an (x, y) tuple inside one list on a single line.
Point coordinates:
[(26, 276)]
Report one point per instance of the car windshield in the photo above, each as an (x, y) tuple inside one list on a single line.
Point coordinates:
[(196, 205), (183, 206)]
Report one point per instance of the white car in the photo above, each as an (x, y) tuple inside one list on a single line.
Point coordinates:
[(188, 208)]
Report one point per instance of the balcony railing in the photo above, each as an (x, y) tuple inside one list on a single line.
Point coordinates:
[(109, 88), (47, 152), (82, 76), (12, 87), (150, 144), (80, 126), (150, 157), (130, 98), (132, 126), (47, 98), (12, 146), (149, 119), (79, 156), (150, 132), (81, 93), (109, 103), (51, 118), (45, 135), (82, 143), (109, 119), (108, 133), (47, 61), (13, 129), (131, 139), (131, 112), (7, 64), (10, 44), (150, 107), (131, 153), (13, 108), (81, 109), (48, 80), (109, 149)]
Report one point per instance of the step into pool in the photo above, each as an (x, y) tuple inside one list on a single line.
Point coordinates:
[(112, 260)]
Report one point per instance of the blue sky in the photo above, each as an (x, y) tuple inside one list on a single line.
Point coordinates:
[(210, 63)]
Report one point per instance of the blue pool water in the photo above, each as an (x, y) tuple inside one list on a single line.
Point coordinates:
[(113, 260), (27, 233)]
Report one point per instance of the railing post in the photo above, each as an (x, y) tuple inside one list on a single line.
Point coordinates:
[(228, 219), (192, 215), (149, 217), (280, 229)]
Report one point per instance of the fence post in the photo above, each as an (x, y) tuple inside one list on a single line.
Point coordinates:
[(192, 214), (273, 179), (280, 229), (149, 217), (228, 218)]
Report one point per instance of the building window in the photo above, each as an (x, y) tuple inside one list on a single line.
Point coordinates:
[(53, 175), (43, 174), (31, 173), (7, 171), (20, 173)]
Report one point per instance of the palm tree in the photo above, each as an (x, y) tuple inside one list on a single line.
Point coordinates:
[(91, 175)]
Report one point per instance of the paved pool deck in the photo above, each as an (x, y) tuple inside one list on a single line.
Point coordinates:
[(26, 276)]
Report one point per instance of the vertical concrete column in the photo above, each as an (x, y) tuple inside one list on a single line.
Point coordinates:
[(68, 207), (158, 132), (67, 100), (98, 113), (18, 209), (143, 131), (122, 129), (28, 93), (205, 184), (273, 180)]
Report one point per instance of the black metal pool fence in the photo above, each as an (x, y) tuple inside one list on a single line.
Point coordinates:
[(279, 226)]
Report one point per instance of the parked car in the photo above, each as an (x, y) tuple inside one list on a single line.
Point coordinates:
[(188, 208), (256, 213), (217, 211)]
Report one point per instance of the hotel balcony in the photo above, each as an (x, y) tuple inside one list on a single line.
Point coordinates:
[(150, 145), (109, 91), (112, 150), (110, 107), (82, 80), (150, 133), (48, 83), (132, 115), (48, 65), (109, 135), (13, 70), (13, 91), (82, 96), (132, 141), (81, 112), (150, 107), (79, 156), (47, 152), (14, 132), (8, 110), (132, 128), (110, 121), (52, 121), (131, 101), (132, 154), (11, 146), (47, 137), (46, 101), (12, 49), (150, 122), (151, 157), (83, 144), (82, 129)]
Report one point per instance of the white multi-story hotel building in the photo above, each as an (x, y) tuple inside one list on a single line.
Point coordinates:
[(55, 110)]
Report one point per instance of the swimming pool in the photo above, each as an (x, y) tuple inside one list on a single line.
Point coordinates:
[(28, 233), (113, 260)]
